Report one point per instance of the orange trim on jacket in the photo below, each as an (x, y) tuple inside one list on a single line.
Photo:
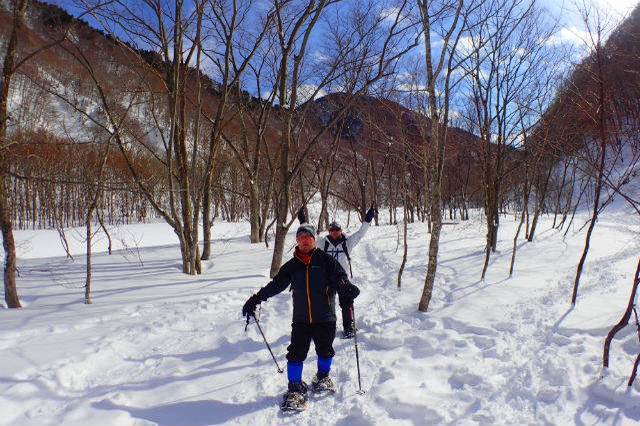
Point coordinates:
[(306, 259)]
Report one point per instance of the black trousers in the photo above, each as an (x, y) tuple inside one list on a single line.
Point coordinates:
[(346, 305), (321, 333)]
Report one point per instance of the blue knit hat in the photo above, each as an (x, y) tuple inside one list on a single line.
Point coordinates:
[(334, 225)]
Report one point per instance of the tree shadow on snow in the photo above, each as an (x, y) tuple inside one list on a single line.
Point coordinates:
[(600, 408), (556, 326), (188, 413), (602, 405)]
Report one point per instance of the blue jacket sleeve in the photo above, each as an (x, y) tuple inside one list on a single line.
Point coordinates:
[(277, 285)]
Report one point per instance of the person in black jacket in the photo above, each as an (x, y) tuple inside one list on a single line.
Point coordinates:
[(315, 278), (341, 246)]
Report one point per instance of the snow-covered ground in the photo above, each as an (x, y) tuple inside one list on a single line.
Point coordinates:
[(159, 347)]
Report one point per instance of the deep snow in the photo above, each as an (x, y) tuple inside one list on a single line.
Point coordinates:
[(160, 347)]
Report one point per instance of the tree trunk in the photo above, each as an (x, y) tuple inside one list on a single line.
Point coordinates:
[(434, 246), (323, 219), (106, 232), (8, 242), (488, 246), (266, 205), (575, 208), (542, 196), (567, 204), (282, 209), (87, 283), (525, 202), (599, 181), (494, 229), (438, 138), (254, 212), (515, 243), (583, 258), (625, 318), (557, 206), (281, 235), (404, 248), (374, 181), (206, 221)]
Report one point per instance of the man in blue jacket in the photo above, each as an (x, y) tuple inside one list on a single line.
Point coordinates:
[(315, 278)]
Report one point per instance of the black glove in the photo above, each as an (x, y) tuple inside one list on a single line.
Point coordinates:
[(370, 213), (301, 216), (249, 308), (348, 292)]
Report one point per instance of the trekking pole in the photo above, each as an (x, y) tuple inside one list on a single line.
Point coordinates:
[(280, 370), (355, 341)]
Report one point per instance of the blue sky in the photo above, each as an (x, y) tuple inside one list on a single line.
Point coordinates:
[(565, 11)]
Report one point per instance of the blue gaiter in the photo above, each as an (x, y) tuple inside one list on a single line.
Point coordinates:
[(294, 371), (324, 366)]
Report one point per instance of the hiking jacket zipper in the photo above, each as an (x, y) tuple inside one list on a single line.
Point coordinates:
[(308, 294)]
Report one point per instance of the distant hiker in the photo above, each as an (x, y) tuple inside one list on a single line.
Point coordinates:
[(340, 247), (315, 278)]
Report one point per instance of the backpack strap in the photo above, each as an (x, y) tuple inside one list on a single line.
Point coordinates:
[(346, 253), (344, 248)]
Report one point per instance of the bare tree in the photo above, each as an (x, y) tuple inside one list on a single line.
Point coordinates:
[(507, 45), (361, 56), (430, 14), (251, 143), (623, 323), (600, 114), (94, 193), (176, 36), (538, 155), (231, 22)]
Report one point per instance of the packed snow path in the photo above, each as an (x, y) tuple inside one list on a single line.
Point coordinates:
[(159, 347)]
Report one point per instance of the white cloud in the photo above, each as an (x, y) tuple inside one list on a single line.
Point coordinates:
[(306, 91), (320, 57), (617, 7), (569, 12), (454, 115), (466, 45), (572, 34), (390, 14), (412, 87)]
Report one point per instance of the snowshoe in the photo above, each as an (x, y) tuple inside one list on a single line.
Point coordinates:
[(323, 385), (295, 399)]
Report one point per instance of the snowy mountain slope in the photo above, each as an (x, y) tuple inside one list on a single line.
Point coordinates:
[(159, 347)]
